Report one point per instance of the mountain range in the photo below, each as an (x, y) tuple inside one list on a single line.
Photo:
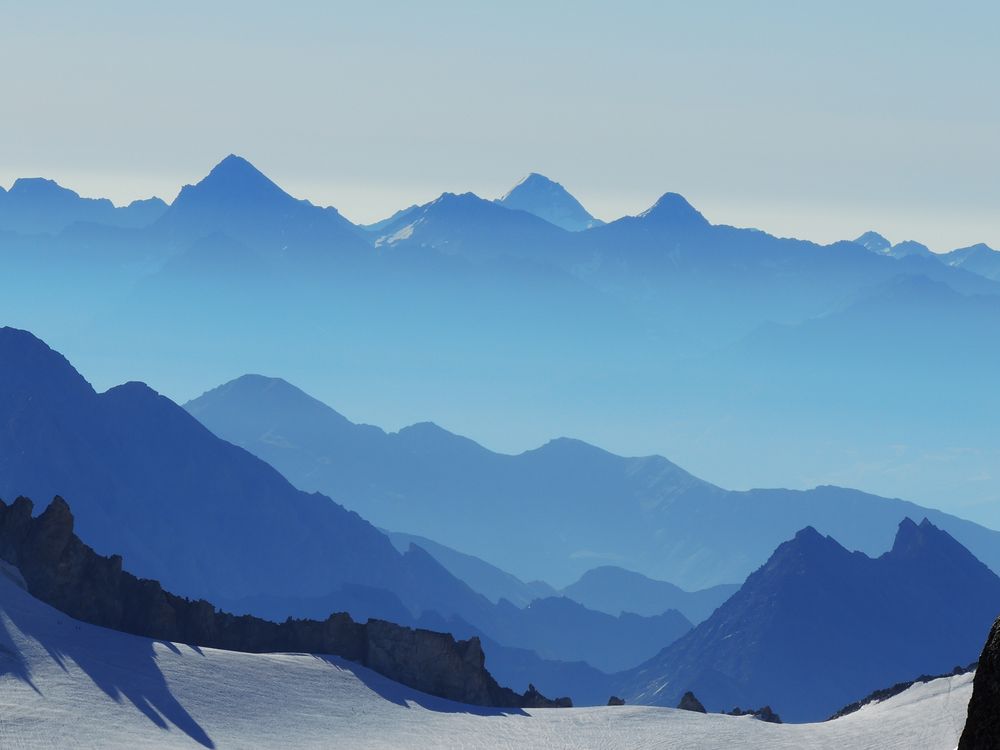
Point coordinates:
[(980, 258), (588, 507), (651, 333), (211, 521)]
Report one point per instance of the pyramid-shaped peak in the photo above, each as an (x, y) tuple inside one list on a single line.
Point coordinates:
[(235, 165), (547, 199), (233, 185), (235, 172), (873, 241), (535, 181), (673, 208)]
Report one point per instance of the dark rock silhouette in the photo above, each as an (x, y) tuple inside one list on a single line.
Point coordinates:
[(62, 571), (763, 714), (614, 700), (689, 702), (982, 726), (533, 699)]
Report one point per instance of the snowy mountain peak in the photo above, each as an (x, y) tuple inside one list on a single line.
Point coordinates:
[(874, 242), (910, 247), (549, 200)]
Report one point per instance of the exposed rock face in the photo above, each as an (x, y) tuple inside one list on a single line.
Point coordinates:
[(982, 727), (763, 714), (690, 703), (62, 571), (534, 699), (614, 700)]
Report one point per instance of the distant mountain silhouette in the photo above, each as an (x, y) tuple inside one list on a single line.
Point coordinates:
[(875, 242), (490, 581), (378, 226), (549, 200), (186, 507), (561, 629), (586, 506), (237, 200), (180, 505), (654, 330), (474, 228), (615, 590), (818, 626), (980, 259), (910, 247), (36, 205)]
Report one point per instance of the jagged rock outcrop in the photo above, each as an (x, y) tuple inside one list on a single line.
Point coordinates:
[(763, 714), (614, 700), (534, 699), (982, 727), (690, 703), (59, 569)]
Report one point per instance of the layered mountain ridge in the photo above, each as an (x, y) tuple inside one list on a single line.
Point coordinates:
[(841, 622)]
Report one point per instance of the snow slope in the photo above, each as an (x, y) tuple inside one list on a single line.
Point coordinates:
[(65, 684)]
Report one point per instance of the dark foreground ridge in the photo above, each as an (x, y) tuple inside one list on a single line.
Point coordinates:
[(65, 573), (982, 727)]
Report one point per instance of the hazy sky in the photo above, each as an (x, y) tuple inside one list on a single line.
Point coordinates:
[(811, 119)]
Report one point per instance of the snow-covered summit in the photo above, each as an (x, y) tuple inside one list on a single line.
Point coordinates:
[(549, 200)]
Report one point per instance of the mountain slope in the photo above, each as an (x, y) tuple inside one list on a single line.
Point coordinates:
[(488, 580), (210, 520), (981, 259), (586, 506), (549, 200), (68, 683), (180, 505), (615, 590), (841, 622)]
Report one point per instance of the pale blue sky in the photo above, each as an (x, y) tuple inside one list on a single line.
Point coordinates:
[(818, 120)]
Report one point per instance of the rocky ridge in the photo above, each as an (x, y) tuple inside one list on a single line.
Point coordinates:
[(62, 571)]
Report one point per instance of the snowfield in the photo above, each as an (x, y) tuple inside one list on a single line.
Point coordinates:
[(65, 684)]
